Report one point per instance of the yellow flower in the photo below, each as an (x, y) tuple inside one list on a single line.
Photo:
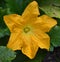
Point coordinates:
[(28, 31)]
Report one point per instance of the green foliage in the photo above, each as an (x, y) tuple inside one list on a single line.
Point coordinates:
[(3, 29), (58, 21), (51, 47), (4, 32), (51, 7), (17, 6), (2, 13), (55, 36), (2, 3), (6, 55)]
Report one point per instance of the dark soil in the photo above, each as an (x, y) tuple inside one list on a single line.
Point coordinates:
[(53, 56)]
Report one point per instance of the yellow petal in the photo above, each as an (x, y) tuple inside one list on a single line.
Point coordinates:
[(31, 11), (13, 21), (45, 23), (15, 42), (41, 39), (29, 47)]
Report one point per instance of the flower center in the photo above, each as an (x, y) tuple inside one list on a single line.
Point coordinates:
[(26, 29)]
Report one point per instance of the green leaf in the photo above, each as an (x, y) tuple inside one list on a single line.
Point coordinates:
[(51, 47), (4, 32), (17, 6), (3, 28), (2, 13), (58, 21), (2, 3), (50, 7), (6, 55), (55, 36)]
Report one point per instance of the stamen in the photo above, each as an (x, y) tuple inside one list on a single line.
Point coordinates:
[(26, 29)]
